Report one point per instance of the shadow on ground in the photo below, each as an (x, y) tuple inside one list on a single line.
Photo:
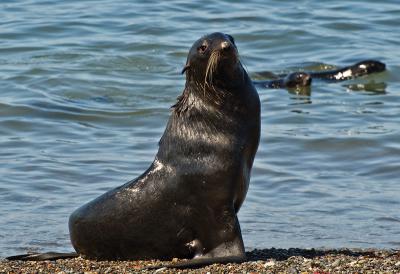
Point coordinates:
[(283, 254)]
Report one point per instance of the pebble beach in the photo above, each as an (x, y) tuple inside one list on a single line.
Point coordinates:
[(272, 260)]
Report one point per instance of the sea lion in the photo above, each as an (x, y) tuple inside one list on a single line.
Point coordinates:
[(290, 81), (185, 204)]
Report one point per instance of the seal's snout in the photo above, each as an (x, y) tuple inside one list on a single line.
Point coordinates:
[(225, 45), (305, 79), (226, 49)]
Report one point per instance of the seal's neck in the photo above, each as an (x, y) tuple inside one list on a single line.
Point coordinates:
[(209, 118), (223, 88)]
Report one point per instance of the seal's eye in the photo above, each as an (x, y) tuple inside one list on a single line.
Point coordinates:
[(202, 48)]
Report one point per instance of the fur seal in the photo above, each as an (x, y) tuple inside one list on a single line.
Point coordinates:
[(185, 204)]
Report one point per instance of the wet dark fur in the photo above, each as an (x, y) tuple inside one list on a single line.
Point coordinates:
[(185, 204), (304, 79), (346, 73), (292, 80)]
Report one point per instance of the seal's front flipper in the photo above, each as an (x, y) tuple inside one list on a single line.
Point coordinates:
[(222, 243), (51, 256)]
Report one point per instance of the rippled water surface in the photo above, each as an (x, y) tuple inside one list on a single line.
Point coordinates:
[(85, 91)]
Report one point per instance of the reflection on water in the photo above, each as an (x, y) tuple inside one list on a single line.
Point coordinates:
[(86, 88), (374, 88)]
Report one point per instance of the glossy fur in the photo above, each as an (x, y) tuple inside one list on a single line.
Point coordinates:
[(346, 73), (304, 79), (292, 80), (185, 204)]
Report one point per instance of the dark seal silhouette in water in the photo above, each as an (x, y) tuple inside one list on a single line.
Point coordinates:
[(185, 205), (359, 69), (304, 79), (292, 80)]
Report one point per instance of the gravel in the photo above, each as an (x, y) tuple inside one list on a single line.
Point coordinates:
[(272, 260)]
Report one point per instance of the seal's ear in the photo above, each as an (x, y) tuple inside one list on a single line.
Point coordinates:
[(185, 68), (231, 38)]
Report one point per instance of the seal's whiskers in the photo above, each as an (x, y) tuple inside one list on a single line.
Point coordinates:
[(211, 67)]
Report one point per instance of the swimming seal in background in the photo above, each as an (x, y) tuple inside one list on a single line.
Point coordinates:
[(185, 204), (304, 79), (292, 80)]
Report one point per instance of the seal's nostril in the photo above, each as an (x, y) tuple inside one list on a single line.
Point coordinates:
[(225, 45)]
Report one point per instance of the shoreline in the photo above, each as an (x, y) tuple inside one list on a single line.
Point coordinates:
[(271, 260)]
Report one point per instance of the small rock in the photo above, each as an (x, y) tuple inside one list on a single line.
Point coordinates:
[(175, 260), (160, 269), (269, 263), (336, 263), (352, 263)]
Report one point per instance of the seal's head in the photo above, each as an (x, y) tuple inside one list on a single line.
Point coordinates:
[(367, 67), (212, 58), (297, 79)]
